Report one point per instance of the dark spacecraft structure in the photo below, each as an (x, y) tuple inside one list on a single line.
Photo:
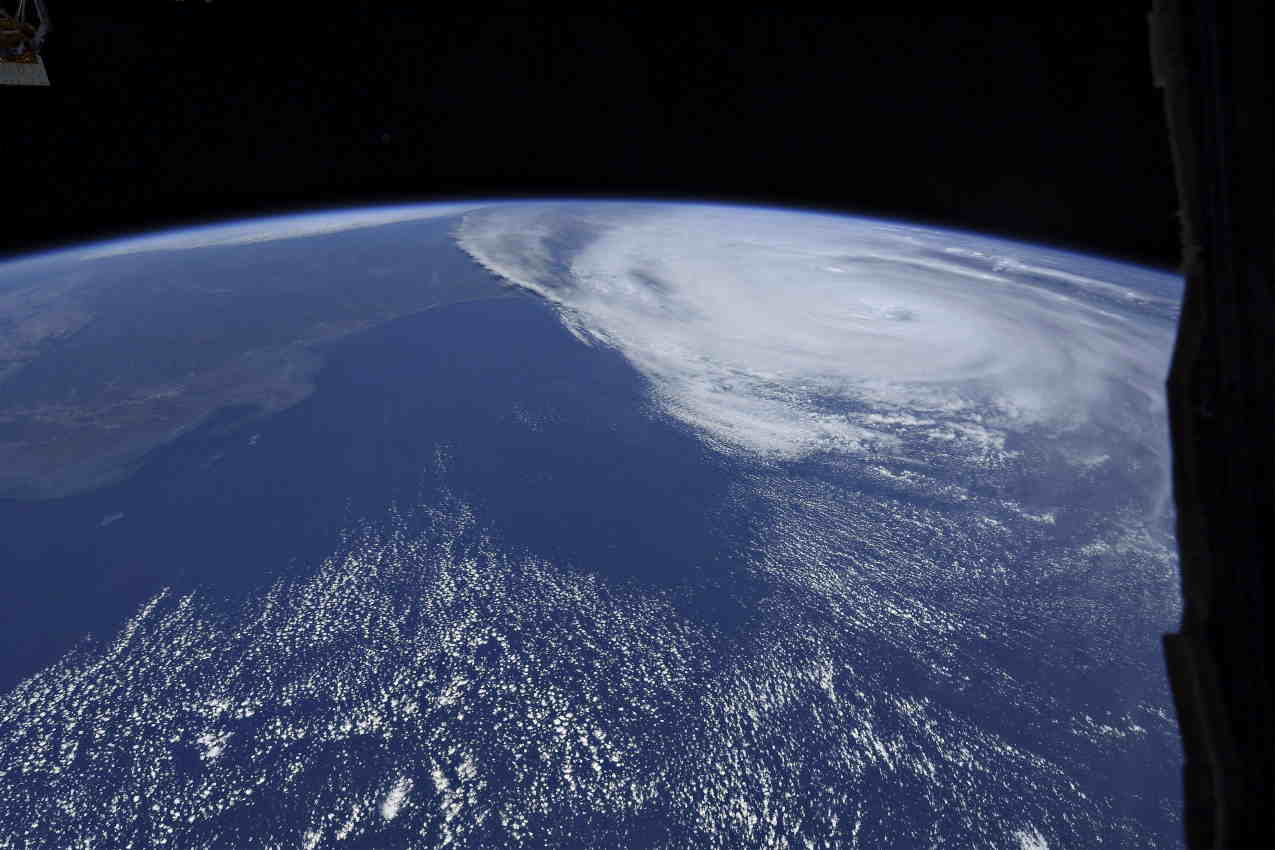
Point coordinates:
[(22, 34), (1215, 62)]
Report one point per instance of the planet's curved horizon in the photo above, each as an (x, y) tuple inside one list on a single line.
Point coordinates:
[(586, 523)]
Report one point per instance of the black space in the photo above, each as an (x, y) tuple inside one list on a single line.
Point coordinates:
[(1042, 128)]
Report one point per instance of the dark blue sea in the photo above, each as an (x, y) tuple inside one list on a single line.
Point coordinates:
[(478, 589)]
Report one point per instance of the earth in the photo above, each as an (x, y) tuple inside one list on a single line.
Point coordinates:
[(585, 524)]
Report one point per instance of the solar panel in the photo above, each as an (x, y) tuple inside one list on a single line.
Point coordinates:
[(22, 34), (31, 73)]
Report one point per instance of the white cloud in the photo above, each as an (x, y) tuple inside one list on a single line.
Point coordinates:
[(394, 800), (270, 229), (1030, 838), (782, 333)]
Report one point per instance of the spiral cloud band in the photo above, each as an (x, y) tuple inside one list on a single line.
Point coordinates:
[(783, 333)]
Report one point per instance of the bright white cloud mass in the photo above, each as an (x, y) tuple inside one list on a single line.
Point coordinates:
[(786, 333)]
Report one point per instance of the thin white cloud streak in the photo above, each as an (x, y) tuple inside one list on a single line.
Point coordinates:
[(270, 229)]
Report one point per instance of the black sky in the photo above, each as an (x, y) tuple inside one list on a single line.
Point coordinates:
[(1042, 128)]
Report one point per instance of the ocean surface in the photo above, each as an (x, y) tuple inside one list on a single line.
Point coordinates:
[(552, 565)]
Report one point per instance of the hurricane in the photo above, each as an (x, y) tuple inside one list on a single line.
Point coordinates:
[(786, 333)]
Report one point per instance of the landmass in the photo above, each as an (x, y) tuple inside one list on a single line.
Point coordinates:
[(102, 360)]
